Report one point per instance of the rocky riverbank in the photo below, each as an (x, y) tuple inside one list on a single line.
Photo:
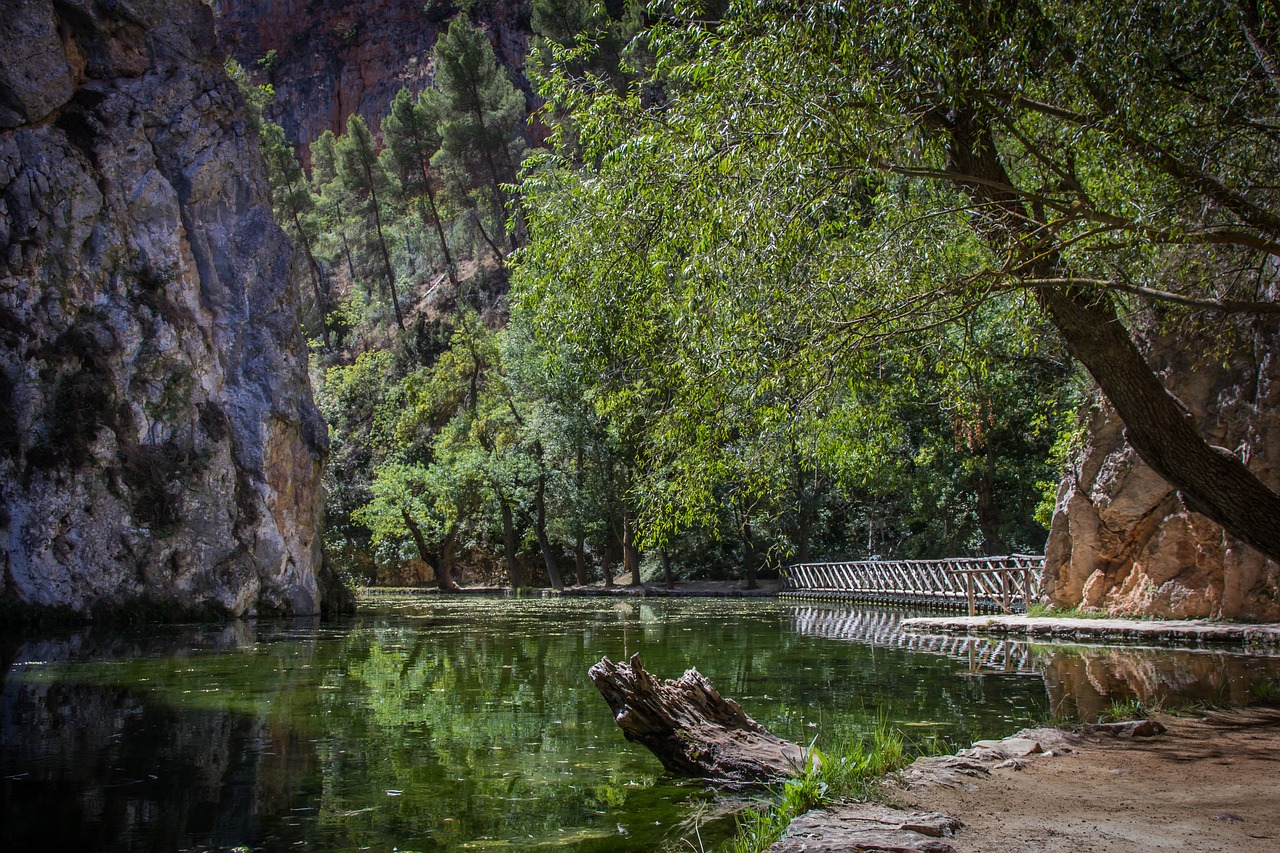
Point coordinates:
[(1190, 785)]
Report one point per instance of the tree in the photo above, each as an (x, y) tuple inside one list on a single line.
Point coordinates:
[(429, 503), (291, 197), (366, 184), (294, 205), (479, 118), (412, 139), (335, 220), (856, 175)]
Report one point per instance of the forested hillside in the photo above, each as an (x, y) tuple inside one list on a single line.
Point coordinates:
[(795, 280)]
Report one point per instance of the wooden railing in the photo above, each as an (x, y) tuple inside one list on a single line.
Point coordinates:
[(980, 583)]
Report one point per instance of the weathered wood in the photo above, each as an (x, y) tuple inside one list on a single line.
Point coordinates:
[(691, 728)]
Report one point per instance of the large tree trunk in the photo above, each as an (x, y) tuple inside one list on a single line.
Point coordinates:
[(630, 554), (580, 540), (445, 566), (984, 488), (509, 545), (691, 728), (748, 558), (606, 566), (580, 559), (444, 577), (804, 514), (1210, 481), (540, 530)]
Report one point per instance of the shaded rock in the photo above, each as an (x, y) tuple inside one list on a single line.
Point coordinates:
[(691, 728), (1128, 728), (158, 442)]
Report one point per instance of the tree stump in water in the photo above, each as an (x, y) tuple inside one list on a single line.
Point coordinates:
[(692, 729)]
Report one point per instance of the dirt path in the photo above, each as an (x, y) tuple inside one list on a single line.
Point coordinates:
[(1205, 785)]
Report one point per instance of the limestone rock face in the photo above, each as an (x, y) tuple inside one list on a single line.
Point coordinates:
[(334, 58), (158, 438), (1123, 541)]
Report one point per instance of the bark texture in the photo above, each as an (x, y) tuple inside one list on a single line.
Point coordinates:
[(691, 728)]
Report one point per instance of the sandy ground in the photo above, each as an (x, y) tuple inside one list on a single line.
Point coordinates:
[(1205, 785)]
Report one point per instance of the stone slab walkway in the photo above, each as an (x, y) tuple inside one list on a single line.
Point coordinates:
[(1153, 630)]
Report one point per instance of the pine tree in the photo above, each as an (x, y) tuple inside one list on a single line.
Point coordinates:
[(362, 176), (294, 207), (412, 139), (480, 115), (331, 202)]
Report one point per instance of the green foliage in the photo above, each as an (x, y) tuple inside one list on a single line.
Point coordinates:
[(757, 314), (854, 772), (704, 272), (479, 116), (257, 98), (1125, 710)]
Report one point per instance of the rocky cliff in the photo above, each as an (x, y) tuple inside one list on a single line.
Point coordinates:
[(333, 58), (158, 440), (1123, 541)]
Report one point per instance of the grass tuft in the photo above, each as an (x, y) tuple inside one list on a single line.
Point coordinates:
[(850, 772)]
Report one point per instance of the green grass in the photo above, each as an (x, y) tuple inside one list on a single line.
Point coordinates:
[(852, 772), (1266, 692), (1048, 610), (1126, 710)]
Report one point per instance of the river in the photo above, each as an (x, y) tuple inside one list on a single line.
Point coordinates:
[(430, 723)]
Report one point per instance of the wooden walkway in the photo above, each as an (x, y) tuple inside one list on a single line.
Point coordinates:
[(1000, 584)]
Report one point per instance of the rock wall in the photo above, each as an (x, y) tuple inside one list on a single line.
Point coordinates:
[(338, 57), (1121, 539), (158, 439)]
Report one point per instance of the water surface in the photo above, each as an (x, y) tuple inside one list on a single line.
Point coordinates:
[(432, 723)]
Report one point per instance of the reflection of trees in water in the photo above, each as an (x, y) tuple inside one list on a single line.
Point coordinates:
[(479, 713)]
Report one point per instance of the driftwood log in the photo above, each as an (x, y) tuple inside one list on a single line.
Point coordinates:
[(692, 729)]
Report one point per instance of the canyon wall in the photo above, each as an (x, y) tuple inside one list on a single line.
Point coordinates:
[(1122, 540), (158, 439), (334, 58)]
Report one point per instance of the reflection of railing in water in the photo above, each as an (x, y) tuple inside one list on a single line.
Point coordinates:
[(981, 583), (880, 628)]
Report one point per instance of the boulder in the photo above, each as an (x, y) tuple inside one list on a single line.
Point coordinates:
[(1122, 540)]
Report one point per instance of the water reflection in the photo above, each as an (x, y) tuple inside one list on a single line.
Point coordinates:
[(432, 724), (1082, 681)]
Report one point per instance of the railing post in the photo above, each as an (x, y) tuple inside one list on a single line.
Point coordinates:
[(968, 588)]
